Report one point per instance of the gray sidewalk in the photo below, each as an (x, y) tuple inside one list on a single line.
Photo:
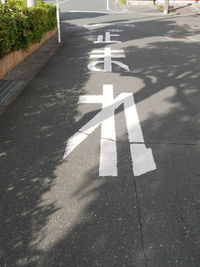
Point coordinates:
[(178, 8), (17, 80), (184, 9)]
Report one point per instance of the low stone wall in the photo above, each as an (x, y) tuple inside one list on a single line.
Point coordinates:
[(8, 62)]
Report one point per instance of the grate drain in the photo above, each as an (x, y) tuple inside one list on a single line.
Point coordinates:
[(7, 88)]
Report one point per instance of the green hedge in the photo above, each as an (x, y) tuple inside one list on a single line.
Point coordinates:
[(20, 26)]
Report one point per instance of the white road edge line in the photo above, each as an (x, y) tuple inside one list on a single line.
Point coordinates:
[(88, 11)]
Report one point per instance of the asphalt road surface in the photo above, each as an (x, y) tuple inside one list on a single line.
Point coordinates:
[(100, 153)]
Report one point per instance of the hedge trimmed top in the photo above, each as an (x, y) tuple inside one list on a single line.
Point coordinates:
[(20, 25)]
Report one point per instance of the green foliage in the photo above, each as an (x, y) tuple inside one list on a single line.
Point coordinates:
[(20, 26), (123, 2)]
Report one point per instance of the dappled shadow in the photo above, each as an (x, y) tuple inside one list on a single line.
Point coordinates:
[(108, 232), (123, 221), (33, 132), (172, 67)]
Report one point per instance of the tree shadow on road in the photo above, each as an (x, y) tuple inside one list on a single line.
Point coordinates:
[(33, 132), (124, 220), (165, 202)]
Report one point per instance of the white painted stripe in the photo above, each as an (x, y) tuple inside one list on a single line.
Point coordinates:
[(96, 25), (97, 56), (132, 120), (118, 51), (73, 142), (108, 54), (90, 99), (142, 157), (99, 39), (88, 11), (107, 37), (89, 127), (122, 65), (108, 150), (82, 134), (116, 30), (108, 158), (107, 60), (92, 65), (118, 56), (97, 52)]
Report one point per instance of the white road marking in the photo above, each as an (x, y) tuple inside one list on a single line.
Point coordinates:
[(99, 39), (88, 11), (108, 151), (115, 30), (142, 157), (108, 40), (100, 25), (96, 25), (129, 25), (107, 53), (91, 99)]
